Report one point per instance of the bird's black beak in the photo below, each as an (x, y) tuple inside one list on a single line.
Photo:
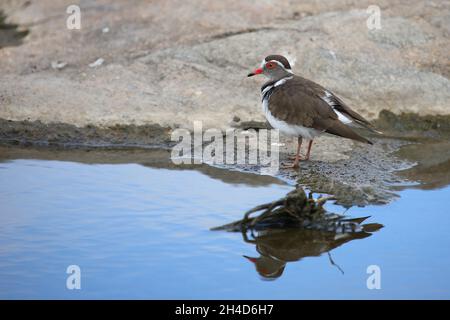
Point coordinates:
[(254, 73), (250, 259)]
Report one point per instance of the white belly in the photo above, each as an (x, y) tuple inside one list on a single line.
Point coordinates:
[(288, 129)]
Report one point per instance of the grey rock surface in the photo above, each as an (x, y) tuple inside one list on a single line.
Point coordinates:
[(171, 62)]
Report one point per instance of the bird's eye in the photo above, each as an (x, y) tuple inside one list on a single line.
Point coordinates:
[(270, 65)]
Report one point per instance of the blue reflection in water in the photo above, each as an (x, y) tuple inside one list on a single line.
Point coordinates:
[(139, 232)]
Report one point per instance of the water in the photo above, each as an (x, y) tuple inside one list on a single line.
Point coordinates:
[(139, 228)]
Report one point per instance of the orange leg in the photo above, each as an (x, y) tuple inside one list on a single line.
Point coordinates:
[(307, 154), (297, 156), (309, 149)]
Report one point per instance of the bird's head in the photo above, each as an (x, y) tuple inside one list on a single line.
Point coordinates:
[(273, 67), (268, 268)]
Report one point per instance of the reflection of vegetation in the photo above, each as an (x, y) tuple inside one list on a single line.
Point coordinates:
[(9, 35), (433, 164), (428, 148), (296, 209), (295, 227)]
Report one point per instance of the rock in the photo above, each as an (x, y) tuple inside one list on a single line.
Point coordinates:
[(163, 67), (97, 63), (58, 65)]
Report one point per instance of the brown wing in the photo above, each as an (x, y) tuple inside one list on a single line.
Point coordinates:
[(340, 106), (337, 104), (300, 103)]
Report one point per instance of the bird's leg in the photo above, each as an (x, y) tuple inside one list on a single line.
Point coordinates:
[(307, 153), (309, 149), (297, 156)]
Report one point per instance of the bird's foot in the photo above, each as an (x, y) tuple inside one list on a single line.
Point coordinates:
[(300, 159), (293, 165)]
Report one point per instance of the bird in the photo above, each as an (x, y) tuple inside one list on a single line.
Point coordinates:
[(278, 247), (301, 108)]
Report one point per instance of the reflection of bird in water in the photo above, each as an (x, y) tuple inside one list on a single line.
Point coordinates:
[(280, 246), (294, 227)]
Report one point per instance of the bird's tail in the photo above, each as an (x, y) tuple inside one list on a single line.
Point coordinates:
[(340, 129), (367, 126)]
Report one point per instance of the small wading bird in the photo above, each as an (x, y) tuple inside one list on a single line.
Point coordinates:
[(302, 108)]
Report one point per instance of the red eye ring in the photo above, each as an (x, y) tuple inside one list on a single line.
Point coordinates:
[(270, 65)]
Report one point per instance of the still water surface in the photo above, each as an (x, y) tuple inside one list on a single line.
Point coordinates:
[(140, 230)]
